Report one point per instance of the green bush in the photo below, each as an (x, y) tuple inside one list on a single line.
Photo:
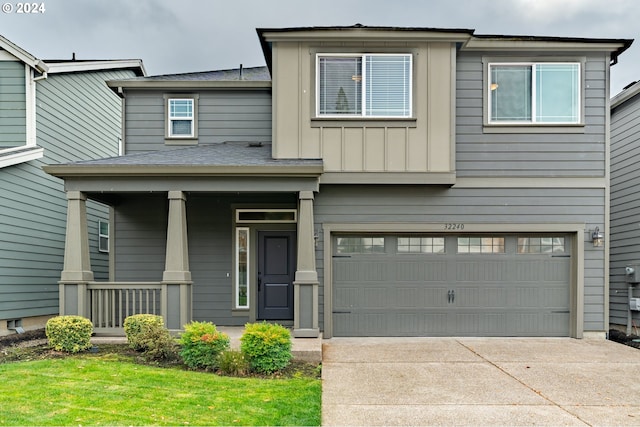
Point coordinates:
[(233, 362), (202, 344), (146, 333), (267, 346), (69, 333)]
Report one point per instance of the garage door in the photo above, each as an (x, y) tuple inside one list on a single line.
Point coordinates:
[(467, 285)]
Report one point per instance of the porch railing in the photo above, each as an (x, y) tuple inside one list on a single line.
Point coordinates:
[(109, 303)]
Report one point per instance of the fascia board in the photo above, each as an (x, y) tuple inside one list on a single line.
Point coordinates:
[(355, 35), (21, 156), (499, 44), (189, 84), (625, 95), (186, 170), (23, 55), (79, 66)]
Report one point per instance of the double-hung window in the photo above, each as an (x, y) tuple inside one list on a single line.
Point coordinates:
[(540, 93), (368, 85), (181, 118)]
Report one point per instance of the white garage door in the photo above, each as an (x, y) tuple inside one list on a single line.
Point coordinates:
[(467, 285)]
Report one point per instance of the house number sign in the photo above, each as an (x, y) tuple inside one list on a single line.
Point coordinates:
[(454, 226)]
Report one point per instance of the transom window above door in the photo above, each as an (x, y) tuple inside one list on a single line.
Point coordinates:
[(534, 93), (366, 85)]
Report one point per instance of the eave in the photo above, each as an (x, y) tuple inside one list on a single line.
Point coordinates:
[(118, 85), (98, 65), (88, 171)]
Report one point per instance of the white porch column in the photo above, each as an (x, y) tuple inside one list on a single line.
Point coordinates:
[(305, 317), (176, 278), (77, 262)]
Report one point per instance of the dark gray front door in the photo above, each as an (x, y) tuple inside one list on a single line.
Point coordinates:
[(276, 269)]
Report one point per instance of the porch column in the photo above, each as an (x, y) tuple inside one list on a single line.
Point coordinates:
[(305, 316), (76, 271), (176, 278)]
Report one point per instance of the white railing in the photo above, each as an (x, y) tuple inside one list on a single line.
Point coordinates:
[(109, 303)]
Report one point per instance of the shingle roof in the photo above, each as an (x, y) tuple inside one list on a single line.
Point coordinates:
[(221, 154)]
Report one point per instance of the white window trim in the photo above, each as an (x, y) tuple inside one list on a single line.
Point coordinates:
[(100, 236), (533, 97), (362, 115), (237, 269), (242, 221), (170, 119)]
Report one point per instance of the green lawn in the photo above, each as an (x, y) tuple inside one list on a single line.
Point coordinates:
[(107, 390)]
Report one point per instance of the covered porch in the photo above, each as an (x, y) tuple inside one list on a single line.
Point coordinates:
[(173, 214)]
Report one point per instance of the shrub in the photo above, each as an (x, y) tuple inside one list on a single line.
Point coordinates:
[(233, 362), (69, 333), (146, 333), (202, 344), (267, 346)]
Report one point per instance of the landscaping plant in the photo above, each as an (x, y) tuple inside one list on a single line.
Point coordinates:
[(267, 346), (233, 362), (147, 333), (201, 345), (69, 333)]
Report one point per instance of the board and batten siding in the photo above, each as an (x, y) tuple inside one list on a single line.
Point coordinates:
[(223, 115), (625, 205), (529, 153), (419, 205), (77, 117), (13, 130)]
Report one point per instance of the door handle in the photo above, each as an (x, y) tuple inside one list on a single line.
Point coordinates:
[(259, 281), (451, 296)]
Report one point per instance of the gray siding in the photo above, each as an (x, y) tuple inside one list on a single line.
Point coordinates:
[(77, 117), (625, 203), (13, 129), (141, 229), (528, 154), (414, 204), (222, 116)]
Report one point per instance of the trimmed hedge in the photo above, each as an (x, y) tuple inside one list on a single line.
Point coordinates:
[(146, 333), (267, 346), (69, 333), (201, 345)]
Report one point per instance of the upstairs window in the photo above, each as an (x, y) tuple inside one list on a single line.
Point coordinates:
[(181, 118), (364, 85), (534, 93)]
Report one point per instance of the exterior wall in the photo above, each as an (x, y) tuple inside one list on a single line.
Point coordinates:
[(421, 144), (13, 131), (625, 204), (534, 151), (223, 115), (420, 205), (140, 243), (77, 117)]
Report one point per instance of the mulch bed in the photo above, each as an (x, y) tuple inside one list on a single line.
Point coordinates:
[(622, 338)]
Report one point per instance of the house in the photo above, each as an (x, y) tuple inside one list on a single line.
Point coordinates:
[(370, 181), (50, 112), (625, 233)]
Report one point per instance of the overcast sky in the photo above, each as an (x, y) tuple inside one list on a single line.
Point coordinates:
[(172, 36)]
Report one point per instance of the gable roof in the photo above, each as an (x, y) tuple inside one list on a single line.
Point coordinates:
[(23, 55)]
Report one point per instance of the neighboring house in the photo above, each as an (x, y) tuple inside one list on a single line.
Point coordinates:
[(374, 181), (625, 206), (50, 112)]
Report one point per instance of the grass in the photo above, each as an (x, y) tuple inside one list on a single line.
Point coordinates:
[(111, 389)]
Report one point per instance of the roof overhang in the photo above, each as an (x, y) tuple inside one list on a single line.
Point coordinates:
[(134, 65), (118, 85), (625, 95), (23, 55)]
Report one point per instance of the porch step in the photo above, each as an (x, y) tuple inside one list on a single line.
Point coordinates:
[(305, 349)]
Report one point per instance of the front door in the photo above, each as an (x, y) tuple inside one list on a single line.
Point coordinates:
[(276, 270)]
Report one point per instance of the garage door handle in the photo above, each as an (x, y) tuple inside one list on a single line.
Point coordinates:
[(451, 296), (561, 256), (341, 312)]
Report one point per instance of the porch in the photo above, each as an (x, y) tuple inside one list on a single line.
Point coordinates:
[(161, 195)]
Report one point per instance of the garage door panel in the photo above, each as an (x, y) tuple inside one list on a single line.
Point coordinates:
[(451, 294)]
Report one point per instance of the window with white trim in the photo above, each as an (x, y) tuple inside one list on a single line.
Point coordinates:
[(242, 267), (103, 236), (534, 93), (369, 85), (180, 117)]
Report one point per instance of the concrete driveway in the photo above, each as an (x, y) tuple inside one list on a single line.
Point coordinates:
[(479, 381)]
